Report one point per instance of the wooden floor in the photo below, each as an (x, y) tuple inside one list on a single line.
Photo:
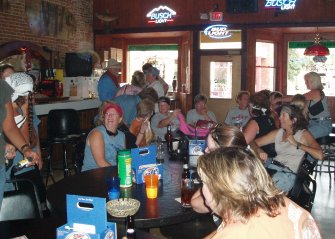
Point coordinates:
[(323, 210)]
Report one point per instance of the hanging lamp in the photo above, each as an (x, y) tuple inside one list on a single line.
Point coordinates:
[(317, 50)]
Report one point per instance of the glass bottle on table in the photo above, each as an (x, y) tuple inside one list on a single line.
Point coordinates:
[(186, 187), (169, 138), (131, 232)]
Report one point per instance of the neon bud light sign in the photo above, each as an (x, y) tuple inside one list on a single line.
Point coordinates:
[(217, 31), (282, 4), (161, 14)]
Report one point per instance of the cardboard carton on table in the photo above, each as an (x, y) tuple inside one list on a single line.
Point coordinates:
[(87, 219), (144, 163)]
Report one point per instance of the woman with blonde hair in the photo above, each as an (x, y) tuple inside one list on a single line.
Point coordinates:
[(237, 187), (140, 127), (220, 136), (320, 122), (136, 86)]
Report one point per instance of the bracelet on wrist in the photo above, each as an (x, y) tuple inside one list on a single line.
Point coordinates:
[(23, 147)]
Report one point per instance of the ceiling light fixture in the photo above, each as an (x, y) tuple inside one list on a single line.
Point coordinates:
[(317, 50)]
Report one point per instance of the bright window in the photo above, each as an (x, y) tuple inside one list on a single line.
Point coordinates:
[(299, 64), (164, 57), (265, 67), (221, 80)]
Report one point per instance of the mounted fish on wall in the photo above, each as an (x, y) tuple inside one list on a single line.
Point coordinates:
[(107, 18), (48, 19)]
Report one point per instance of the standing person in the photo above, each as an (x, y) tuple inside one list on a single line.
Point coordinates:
[(11, 131), (141, 127), (165, 86), (240, 115), (291, 141), (200, 112), (105, 140), (128, 103), (151, 78), (108, 83), (136, 86), (164, 117), (27, 121), (237, 187), (320, 122)]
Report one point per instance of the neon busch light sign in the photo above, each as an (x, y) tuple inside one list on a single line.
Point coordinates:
[(217, 31), (161, 14), (282, 4)]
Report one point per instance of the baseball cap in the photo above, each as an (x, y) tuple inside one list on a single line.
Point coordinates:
[(113, 106), (21, 83), (164, 99)]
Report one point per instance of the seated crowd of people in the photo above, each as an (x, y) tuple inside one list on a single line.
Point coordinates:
[(265, 132)]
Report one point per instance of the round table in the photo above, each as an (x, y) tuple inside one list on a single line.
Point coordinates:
[(163, 211)]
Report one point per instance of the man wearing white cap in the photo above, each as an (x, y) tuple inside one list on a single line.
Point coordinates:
[(108, 83), (26, 119)]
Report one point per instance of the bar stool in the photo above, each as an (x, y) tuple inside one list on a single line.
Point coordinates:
[(327, 143), (63, 127)]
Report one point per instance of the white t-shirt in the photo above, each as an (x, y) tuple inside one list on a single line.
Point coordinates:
[(237, 117), (192, 116)]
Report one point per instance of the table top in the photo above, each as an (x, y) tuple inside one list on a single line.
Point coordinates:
[(163, 211), (46, 228)]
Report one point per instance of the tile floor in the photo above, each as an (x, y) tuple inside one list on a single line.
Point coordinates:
[(323, 210)]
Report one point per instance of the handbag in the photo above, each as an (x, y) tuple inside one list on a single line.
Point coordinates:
[(317, 108)]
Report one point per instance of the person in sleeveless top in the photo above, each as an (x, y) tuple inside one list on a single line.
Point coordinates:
[(237, 187), (261, 123), (320, 122), (291, 141), (105, 140)]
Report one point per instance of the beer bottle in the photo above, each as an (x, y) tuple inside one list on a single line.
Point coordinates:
[(131, 232), (169, 138), (186, 186)]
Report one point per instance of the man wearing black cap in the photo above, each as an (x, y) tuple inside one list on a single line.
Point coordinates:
[(164, 117)]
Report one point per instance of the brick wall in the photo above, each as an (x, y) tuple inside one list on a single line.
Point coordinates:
[(14, 26)]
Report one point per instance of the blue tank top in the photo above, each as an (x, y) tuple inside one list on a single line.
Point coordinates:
[(112, 145)]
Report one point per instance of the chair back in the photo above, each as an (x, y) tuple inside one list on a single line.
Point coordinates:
[(21, 204), (63, 123), (304, 188)]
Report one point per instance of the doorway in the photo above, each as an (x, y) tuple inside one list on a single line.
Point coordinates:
[(220, 103)]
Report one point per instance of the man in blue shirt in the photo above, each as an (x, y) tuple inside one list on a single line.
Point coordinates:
[(109, 82)]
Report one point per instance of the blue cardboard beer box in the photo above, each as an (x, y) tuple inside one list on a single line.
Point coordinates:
[(143, 162), (195, 149), (86, 218)]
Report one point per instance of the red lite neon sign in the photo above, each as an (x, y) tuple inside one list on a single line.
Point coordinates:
[(161, 14)]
